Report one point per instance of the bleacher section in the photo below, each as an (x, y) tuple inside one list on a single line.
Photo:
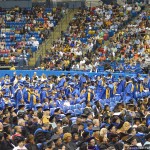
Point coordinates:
[(23, 35)]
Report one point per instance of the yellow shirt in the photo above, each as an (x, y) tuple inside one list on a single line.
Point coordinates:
[(45, 119), (12, 68)]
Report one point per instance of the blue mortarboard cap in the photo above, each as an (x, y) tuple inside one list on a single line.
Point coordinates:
[(92, 87), (46, 107), (20, 106), (31, 86), (10, 105), (103, 125), (49, 78), (83, 80), (141, 79), (24, 82), (77, 86), (21, 84), (39, 79), (28, 106), (73, 119), (70, 111), (71, 83), (39, 106), (110, 86), (21, 81), (44, 81), (47, 86), (7, 83), (116, 80), (6, 75), (6, 95), (3, 89), (57, 109), (127, 76), (93, 80), (109, 81), (61, 88), (85, 74), (42, 86), (75, 74), (96, 100), (62, 116)]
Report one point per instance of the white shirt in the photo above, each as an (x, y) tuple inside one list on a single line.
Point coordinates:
[(79, 53), (36, 43), (19, 148)]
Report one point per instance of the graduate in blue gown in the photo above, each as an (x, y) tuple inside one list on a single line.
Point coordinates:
[(33, 99), (111, 87), (106, 92), (19, 94), (140, 85), (129, 89), (89, 128), (121, 85), (7, 88), (135, 91), (62, 81), (89, 95), (26, 93), (2, 103), (82, 80), (43, 94)]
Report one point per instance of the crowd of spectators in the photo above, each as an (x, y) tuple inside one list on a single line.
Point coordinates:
[(100, 35), (24, 29), (69, 112), (72, 111)]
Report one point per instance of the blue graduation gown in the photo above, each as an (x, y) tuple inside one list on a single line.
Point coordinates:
[(111, 90), (68, 91), (90, 131), (129, 89), (61, 82), (12, 91), (91, 96), (59, 103), (32, 100), (75, 91), (135, 90), (12, 79), (82, 80), (149, 84), (26, 95), (101, 93), (119, 88), (8, 92), (2, 82), (2, 103), (18, 96), (43, 95), (104, 93)]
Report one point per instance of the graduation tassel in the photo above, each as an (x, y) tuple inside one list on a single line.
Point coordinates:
[(141, 88), (137, 86), (115, 89), (107, 93), (29, 96), (132, 88), (89, 96), (34, 99)]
